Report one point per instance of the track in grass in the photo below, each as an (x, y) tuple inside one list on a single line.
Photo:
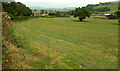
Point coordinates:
[(89, 44)]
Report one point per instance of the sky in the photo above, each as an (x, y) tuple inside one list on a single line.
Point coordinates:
[(60, 3)]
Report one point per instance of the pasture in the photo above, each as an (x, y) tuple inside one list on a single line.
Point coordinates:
[(66, 43)]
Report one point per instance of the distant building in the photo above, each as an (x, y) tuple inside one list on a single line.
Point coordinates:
[(107, 14), (44, 14)]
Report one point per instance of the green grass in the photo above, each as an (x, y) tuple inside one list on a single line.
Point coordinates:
[(90, 44)]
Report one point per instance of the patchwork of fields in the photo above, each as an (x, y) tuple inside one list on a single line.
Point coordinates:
[(66, 43)]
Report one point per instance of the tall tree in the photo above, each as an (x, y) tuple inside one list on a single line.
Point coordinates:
[(118, 15), (82, 13), (16, 9)]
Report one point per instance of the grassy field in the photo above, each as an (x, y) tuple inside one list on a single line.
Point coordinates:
[(66, 43)]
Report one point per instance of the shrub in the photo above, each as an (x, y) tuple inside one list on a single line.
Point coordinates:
[(112, 16), (117, 14), (9, 34)]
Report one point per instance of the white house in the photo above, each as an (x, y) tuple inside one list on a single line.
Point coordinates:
[(107, 14)]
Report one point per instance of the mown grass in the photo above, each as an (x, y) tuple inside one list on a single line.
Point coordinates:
[(66, 43)]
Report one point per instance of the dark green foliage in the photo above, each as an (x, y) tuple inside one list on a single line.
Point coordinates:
[(59, 14), (53, 13), (16, 9), (46, 12), (102, 9), (90, 7), (42, 12), (82, 13), (119, 5), (107, 3), (18, 17), (117, 14), (112, 16), (70, 12), (35, 9)]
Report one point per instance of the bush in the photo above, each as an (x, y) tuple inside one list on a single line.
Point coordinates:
[(18, 17), (112, 16), (117, 14), (9, 34)]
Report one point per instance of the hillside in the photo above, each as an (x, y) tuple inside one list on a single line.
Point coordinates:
[(55, 9), (113, 6)]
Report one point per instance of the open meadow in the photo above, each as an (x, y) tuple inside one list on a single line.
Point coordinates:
[(67, 43)]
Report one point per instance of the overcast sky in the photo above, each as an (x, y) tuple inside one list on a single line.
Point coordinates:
[(60, 3)]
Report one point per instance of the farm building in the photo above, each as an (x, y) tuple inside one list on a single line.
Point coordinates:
[(107, 14), (44, 14)]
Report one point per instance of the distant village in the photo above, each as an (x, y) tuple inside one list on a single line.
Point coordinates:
[(47, 12)]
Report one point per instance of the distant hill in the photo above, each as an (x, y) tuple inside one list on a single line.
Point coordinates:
[(113, 6), (107, 7), (58, 9), (7, 0)]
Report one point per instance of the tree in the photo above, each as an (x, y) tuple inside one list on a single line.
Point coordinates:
[(119, 5), (16, 9), (90, 7), (35, 9), (112, 16), (46, 12), (117, 14), (82, 13), (42, 12), (102, 9), (70, 12)]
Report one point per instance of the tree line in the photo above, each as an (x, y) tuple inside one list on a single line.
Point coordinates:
[(101, 9), (16, 10), (106, 3)]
